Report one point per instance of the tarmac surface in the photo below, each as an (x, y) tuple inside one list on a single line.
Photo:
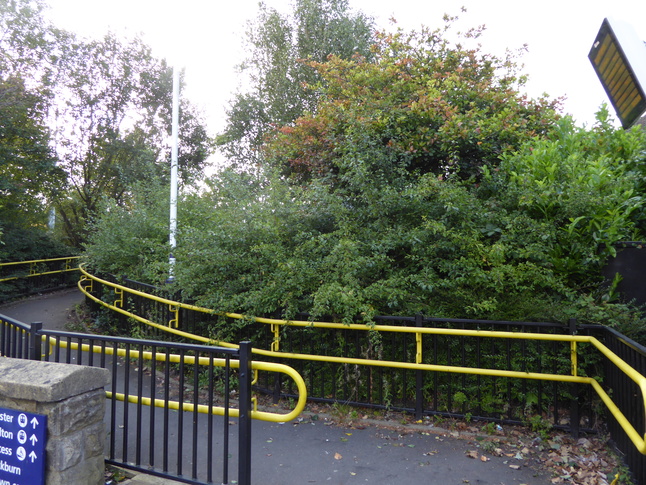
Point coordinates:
[(314, 449)]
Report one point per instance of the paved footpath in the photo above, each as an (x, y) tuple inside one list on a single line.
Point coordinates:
[(316, 451), (53, 309)]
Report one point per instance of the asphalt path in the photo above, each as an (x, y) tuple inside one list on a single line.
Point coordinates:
[(52, 309), (315, 450)]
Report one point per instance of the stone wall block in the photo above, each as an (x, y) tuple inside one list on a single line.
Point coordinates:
[(73, 399), (94, 440), (29, 406), (76, 412), (64, 452), (88, 472)]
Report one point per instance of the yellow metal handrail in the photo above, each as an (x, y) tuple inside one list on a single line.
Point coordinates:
[(256, 366), (638, 440), (33, 271)]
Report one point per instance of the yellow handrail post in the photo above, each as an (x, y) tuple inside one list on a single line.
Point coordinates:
[(174, 322), (575, 359), (275, 343), (419, 376), (418, 354), (119, 301), (573, 350), (89, 288)]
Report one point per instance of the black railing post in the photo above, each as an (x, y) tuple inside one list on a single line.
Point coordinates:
[(244, 437), (277, 387), (35, 341), (575, 417), (419, 378)]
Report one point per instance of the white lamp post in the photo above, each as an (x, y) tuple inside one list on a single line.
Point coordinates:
[(173, 176)]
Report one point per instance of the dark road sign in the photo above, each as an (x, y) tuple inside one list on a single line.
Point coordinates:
[(619, 59)]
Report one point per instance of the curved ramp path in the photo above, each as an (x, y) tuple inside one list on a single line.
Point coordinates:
[(53, 309), (315, 451)]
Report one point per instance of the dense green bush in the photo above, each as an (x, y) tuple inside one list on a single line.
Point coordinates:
[(350, 223), (444, 247), (20, 243), (132, 239), (420, 103)]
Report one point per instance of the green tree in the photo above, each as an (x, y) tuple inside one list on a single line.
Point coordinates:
[(282, 84), (29, 45), (29, 178), (586, 184), (107, 104), (113, 113), (423, 103), (28, 174), (132, 239)]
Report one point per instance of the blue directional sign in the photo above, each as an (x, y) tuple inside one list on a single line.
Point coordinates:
[(22, 447)]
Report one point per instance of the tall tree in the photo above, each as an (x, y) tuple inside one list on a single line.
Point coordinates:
[(113, 123), (422, 104), (283, 85), (107, 104), (26, 39), (28, 174)]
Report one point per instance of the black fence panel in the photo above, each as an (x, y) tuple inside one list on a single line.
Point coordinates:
[(569, 407), (14, 338), (626, 394), (499, 399), (18, 280), (174, 437)]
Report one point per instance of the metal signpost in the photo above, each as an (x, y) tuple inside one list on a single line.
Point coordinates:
[(22, 447)]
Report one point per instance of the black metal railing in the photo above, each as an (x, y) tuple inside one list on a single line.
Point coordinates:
[(159, 399), (446, 394), (625, 393), (22, 278), (571, 407)]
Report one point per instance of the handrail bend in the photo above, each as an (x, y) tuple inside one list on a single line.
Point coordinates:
[(191, 360)]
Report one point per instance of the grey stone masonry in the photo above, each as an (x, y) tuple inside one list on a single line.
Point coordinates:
[(73, 399)]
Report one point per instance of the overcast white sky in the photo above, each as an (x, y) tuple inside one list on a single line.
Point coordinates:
[(208, 36)]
